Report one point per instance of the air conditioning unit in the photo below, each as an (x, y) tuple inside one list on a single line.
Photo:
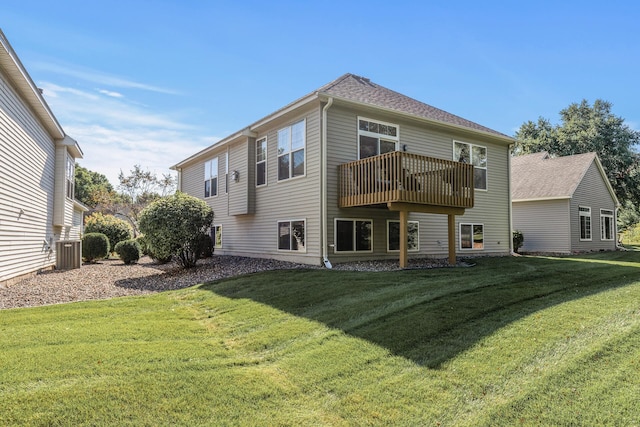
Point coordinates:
[(68, 254)]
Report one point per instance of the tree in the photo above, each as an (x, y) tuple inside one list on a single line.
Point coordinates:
[(91, 187), (585, 128), (174, 225)]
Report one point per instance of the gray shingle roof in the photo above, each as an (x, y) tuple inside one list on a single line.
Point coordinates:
[(360, 89), (538, 176)]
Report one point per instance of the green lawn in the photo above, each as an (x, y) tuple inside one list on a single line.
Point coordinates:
[(511, 341)]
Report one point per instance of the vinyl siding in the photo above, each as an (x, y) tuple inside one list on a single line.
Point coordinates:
[(491, 207), (544, 225), (592, 192), (256, 232), (27, 166)]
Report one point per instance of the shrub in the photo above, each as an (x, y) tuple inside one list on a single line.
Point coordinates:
[(128, 251), (205, 245), (95, 246), (146, 250), (518, 240), (173, 226), (115, 229)]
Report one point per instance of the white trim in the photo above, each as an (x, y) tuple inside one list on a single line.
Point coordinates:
[(580, 215), (335, 235), (417, 249), (486, 167), (604, 216), (290, 152), (540, 199), (291, 221), (266, 144), (213, 229), (216, 176), (460, 236)]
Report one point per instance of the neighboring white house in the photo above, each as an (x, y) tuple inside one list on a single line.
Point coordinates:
[(563, 204), (37, 167), (346, 171)]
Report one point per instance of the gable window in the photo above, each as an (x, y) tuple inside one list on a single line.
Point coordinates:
[(354, 235), (471, 236), (70, 173), (291, 235), (291, 144), (393, 236), (211, 178), (216, 236), (376, 138), (585, 222), (261, 162), (607, 229), (475, 155)]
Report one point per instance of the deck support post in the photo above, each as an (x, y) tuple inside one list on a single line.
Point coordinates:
[(451, 226), (404, 232)]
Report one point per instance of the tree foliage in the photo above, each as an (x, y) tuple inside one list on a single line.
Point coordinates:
[(174, 225), (116, 229), (585, 128), (91, 187)]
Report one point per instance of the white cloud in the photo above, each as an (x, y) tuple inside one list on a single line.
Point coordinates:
[(115, 135), (110, 93)]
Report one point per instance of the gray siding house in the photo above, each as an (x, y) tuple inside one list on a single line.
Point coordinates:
[(356, 171), (37, 163), (563, 204)]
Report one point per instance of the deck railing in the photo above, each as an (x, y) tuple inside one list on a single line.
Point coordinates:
[(404, 177)]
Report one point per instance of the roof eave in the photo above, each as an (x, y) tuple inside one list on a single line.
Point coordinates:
[(28, 89), (504, 139)]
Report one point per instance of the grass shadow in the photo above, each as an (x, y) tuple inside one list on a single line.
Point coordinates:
[(430, 316)]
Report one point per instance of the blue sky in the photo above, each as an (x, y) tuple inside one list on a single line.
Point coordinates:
[(152, 82)]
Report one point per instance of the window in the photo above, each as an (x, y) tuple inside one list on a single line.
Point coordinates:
[(607, 229), (291, 236), (471, 236), (291, 143), (70, 173), (261, 162), (211, 178), (216, 236), (585, 222), (476, 156), (354, 235), (376, 138), (393, 236)]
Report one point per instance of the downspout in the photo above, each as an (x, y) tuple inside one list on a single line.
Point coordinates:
[(509, 151), (323, 185)]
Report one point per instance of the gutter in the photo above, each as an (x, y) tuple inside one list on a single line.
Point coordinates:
[(323, 186)]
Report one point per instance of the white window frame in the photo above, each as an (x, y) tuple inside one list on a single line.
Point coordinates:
[(70, 172), (605, 216), (379, 136), (353, 221), (226, 172), (215, 229), (585, 211), (209, 175), (301, 248), (472, 225), (290, 152), (258, 161), (472, 161), (417, 240)]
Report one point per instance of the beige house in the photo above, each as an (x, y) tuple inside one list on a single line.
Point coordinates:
[(563, 204), (37, 164), (356, 171)]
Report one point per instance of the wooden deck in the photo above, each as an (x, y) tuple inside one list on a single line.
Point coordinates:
[(400, 177)]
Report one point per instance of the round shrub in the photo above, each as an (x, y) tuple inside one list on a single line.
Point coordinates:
[(145, 249), (205, 245), (95, 246), (128, 251), (115, 229), (173, 226)]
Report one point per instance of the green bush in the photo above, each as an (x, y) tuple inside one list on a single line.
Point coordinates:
[(518, 240), (173, 226), (146, 250), (128, 251), (115, 229), (95, 246)]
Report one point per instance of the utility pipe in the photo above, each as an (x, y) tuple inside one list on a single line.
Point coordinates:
[(323, 189)]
